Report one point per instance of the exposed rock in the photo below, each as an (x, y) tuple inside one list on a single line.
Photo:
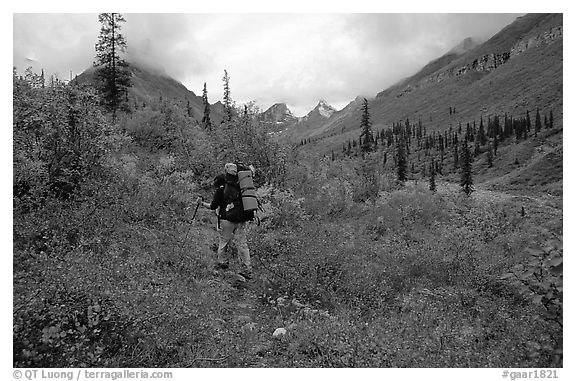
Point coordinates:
[(489, 62), (279, 332), (277, 113)]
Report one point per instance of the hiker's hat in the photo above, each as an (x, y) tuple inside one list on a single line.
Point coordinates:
[(231, 169)]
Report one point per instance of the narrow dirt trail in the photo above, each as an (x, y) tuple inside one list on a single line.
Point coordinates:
[(245, 320)]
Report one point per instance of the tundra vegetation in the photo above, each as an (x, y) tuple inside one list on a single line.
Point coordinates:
[(360, 269)]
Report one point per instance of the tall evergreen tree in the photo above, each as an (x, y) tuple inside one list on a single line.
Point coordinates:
[(227, 98), (206, 122), (111, 70), (246, 116), (366, 127), (551, 120), (537, 123), (466, 181), (455, 156), (402, 161), (481, 133)]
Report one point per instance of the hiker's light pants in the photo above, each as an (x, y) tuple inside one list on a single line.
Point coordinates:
[(236, 230)]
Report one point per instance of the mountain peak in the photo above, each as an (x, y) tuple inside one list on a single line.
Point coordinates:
[(278, 113), (324, 109)]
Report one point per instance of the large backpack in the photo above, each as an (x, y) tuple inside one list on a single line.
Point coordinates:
[(240, 200)]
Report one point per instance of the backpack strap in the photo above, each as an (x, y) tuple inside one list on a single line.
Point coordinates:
[(260, 205)]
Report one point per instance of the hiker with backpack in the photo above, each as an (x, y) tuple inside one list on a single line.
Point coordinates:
[(233, 199)]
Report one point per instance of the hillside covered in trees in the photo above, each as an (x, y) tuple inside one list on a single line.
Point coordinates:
[(417, 239)]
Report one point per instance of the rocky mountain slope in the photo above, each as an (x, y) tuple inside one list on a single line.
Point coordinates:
[(277, 117), (518, 69)]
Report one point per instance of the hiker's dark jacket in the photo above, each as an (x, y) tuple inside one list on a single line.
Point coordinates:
[(218, 202)]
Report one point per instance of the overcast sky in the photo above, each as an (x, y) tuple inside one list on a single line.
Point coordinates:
[(292, 58)]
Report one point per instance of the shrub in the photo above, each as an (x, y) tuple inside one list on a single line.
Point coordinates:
[(540, 280)]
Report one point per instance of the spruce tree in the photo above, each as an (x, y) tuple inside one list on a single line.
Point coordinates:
[(227, 98), (206, 122), (402, 161), (455, 156), (551, 120), (366, 127), (466, 181), (111, 70), (481, 133), (246, 116), (537, 123)]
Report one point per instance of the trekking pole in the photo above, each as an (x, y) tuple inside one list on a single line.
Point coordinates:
[(197, 206)]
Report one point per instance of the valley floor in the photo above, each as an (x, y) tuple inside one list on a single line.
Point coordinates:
[(414, 279)]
